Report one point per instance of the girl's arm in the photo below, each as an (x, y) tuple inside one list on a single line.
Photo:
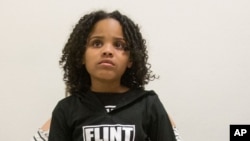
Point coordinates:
[(161, 126), (43, 133)]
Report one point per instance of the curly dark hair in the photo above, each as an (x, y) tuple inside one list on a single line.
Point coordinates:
[(77, 78)]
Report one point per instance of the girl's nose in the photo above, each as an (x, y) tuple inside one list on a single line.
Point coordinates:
[(108, 54), (108, 50)]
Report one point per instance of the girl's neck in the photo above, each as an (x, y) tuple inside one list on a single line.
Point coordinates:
[(108, 87)]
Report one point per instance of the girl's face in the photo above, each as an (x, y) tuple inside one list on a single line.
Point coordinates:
[(105, 58)]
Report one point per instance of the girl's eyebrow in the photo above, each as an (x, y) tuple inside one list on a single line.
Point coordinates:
[(101, 37), (96, 36), (119, 38)]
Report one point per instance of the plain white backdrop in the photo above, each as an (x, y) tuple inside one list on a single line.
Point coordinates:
[(200, 50)]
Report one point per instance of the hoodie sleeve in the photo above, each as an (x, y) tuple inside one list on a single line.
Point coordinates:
[(160, 126), (59, 130)]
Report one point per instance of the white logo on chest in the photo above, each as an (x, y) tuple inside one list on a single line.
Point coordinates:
[(115, 132)]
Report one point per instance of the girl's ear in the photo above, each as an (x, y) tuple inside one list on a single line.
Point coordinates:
[(130, 63)]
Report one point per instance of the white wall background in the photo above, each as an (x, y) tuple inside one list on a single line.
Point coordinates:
[(200, 49)]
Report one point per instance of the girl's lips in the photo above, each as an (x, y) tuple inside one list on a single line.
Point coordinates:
[(106, 62)]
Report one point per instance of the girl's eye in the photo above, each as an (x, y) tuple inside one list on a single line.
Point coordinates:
[(96, 43), (119, 45)]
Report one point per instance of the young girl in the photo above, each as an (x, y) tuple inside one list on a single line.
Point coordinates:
[(105, 70)]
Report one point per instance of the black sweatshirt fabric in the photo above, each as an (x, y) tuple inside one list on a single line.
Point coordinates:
[(138, 116)]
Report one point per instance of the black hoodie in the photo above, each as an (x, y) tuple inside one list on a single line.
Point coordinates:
[(139, 116)]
